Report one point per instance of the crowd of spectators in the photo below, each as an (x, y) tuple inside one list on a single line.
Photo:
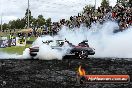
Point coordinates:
[(119, 13), (122, 16)]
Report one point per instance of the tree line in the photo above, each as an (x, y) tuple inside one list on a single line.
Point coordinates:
[(38, 22)]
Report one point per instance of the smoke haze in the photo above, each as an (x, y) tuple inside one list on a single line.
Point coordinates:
[(100, 37)]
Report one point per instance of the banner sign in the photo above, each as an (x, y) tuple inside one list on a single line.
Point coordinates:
[(3, 43), (7, 43), (20, 41), (12, 42)]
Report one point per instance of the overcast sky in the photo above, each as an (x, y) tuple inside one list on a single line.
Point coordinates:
[(56, 9)]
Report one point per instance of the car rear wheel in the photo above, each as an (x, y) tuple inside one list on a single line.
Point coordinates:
[(82, 54)]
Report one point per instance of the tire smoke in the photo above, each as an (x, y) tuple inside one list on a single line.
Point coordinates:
[(25, 55), (99, 36), (46, 52), (102, 38)]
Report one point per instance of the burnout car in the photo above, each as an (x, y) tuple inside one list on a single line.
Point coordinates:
[(81, 51)]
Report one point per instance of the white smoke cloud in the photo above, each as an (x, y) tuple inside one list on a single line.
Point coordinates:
[(4, 55), (46, 52), (100, 37), (25, 55), (9, 56)]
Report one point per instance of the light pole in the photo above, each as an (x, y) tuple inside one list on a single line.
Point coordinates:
[(95, 4), (28, 14), (1, 16), (1, 23)]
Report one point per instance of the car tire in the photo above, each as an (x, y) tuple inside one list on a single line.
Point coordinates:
[(82, 54)]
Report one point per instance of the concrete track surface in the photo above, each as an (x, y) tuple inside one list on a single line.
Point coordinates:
[(60, 73)]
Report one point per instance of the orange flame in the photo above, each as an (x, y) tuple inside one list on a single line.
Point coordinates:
[(81, 71)]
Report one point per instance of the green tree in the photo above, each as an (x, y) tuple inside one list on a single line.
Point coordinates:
[(105, 3), (17, 24), (88, 8), (0, 27), (12, 24), (23, 22), (48, 22), (130, 3), (40, 21), (5, 26), (30, 18), (34, 22)]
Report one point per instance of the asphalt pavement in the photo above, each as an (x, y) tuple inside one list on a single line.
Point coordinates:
[(60, 73)]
